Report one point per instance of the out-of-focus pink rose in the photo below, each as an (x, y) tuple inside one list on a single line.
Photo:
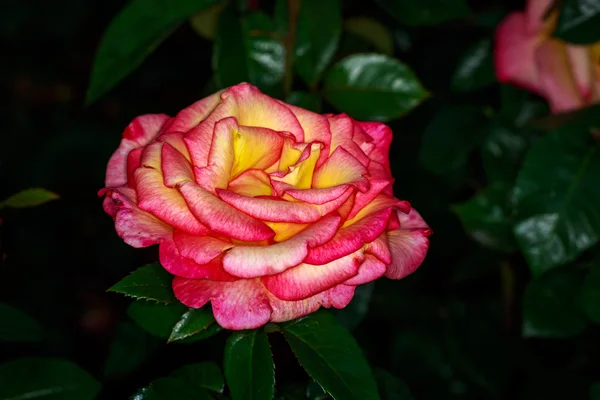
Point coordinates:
[(264, 209), (526, 55)]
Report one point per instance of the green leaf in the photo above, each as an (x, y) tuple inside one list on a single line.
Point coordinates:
[(18, 326), (248, 365), (45, 378), (206, 375), (353, 314), (192, 322), (205, 22), (155, 318), (557, 199), (247, 49), (373, 86), (390, 387), (578, 22), (169, 388), (132, 35), (590, 294), (128, 350), (331, 356), (520, 106), (150, 282), (317, 37), (503, 151), (550, 306), (449, 138), (308, 101), (486, 218), (475, 69), (29, 198), (425, 12), (595, 391), (371, 31)]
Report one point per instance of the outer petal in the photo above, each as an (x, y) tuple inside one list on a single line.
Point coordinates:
[(535, 13), (236, 305), (201, 249), (256, 261), (176, 264), (371, 269), (220, 158), (175, 167), (382, 138), (316, 129), (342, 133), (191, 116), (138, 133)]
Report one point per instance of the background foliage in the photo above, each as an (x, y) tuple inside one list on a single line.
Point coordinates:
[(506, 305)]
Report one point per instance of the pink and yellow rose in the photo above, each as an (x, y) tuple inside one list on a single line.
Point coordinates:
[(526, 54), (264, 209)]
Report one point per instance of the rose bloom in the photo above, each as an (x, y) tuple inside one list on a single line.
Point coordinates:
[(568, 76), (266, 210)]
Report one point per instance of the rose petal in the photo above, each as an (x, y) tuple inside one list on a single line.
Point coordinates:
[(175, 167), (371, 269), (535, 11), (408, 249), (252, 183), (255, 148), (342, 132), (300, 175), (379, 248), (220, 158), (172, 260), (382, 139), (580, 60), (191, 116), (341, 168), (316, 129), (201, 249)]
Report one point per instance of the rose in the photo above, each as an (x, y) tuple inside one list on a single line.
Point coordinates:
[(568, 76), (264, 209)]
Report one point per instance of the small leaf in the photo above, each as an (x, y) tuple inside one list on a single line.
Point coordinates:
[(503, 151), (192, 322), (317, 37), (45, 378), (132, 35), (578, 21), (155, 318), (372, 31), (331, 356), (475, 69), (557, 199), (373, 86), (550, 306), (128, 350), (425, 12), (170, 388), (590, 294), (308, 101), (205, 22), (206, 375), (486, 218), (390, 387), (18, 326), (353, 314), (248, 365), (29, 198), (150, 282)]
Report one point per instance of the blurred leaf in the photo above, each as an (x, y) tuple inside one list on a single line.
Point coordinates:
[(550, 305), (29, 198), (425, 12), (315, 392), (353, 314), (586, 118), (155, 318), (449, 138), (595, 391), (132, 35), (248, 366), (192, 322), (17, 326), (557, 199), (308, 101), (372, 31), (486, 217), (170, 388), (590, 294), (206, 375), (390, 387), (247, 50), (128, 350), (475, 69), (578, 21), (150, 282), (503, 151), (330, 355), (317, 37), (373, 87), (520, 106), (45, 378), (205, 22)]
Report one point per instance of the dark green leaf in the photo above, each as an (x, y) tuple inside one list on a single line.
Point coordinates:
[(353, 314), (248, 366), (390, 387), (206, 375), (132, 35), (590, 294), (17, 326), (578, 21), (170, 388), (205, 22), (372, 31), (550, 306), (475, 68), (331, 356), (29, 198), (229, 60), (128, 350), (315, 392), (425, 12), (449, 138), (317, 37), (503, 151), (45, 378), (486, 218), (595, 391), (308, 101), (155, 318), (373, 86), (192, 322), (150, 282), (557, 199), (520, 106)]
